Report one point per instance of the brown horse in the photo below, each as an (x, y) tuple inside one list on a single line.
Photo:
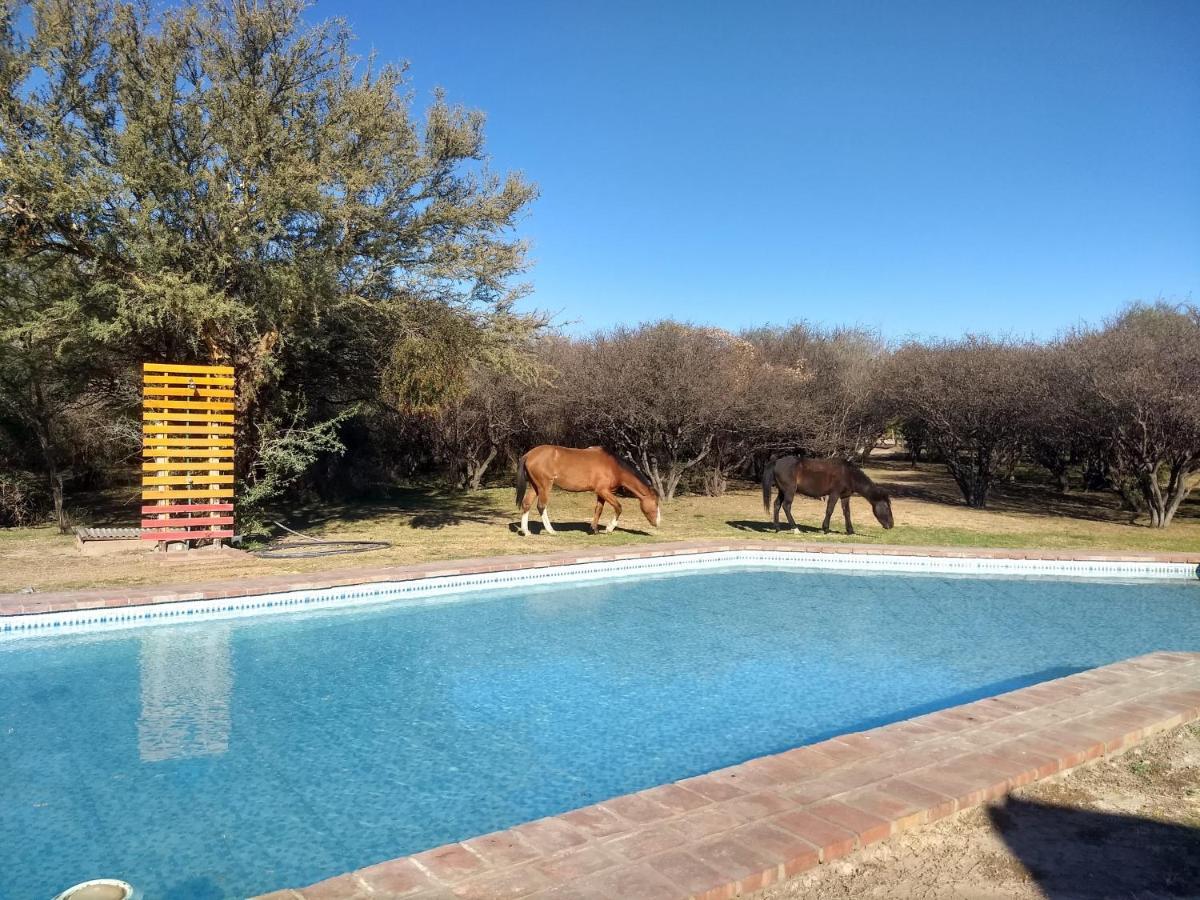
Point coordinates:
[(593, 469), (832, 478)]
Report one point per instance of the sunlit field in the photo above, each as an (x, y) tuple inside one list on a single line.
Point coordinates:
[(432, 523)]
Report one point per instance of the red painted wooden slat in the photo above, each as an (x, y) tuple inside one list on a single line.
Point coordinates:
[(184, 535), (187, 522), (186, 508)]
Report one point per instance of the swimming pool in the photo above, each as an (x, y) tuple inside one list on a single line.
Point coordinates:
[(224, 758)]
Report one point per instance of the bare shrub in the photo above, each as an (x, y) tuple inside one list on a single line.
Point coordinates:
[(972, 397), (1139, 383), (822, 389), (661, 394), (24, 499)]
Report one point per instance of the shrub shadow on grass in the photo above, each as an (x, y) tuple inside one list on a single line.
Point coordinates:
[(426, 507), (1025, 495), (1082, 854), (768, 528)]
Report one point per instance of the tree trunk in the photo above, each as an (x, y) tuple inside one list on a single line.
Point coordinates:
[(650, 469), (1156, 506), (977, 495), (1177, 489), (476, 469), (666, 483), (54, 476), (973, 479), (1064, 481), (1096, 473), (715, 482), (1057, 464)]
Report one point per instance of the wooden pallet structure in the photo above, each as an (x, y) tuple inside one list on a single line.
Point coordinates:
[(187, 451)]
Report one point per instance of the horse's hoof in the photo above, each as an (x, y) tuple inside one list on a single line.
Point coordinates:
[(796, 531)]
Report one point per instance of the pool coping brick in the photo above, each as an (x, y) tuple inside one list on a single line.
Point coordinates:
[(747, 826), (104, 598)]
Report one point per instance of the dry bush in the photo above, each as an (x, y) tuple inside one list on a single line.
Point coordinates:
[(24, 499), (1138, 382), (973, 398), (661, 394)]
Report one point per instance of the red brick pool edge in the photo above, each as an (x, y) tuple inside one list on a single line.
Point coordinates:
[(742, 828)]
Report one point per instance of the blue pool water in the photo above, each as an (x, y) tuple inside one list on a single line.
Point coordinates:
[(223, 759)]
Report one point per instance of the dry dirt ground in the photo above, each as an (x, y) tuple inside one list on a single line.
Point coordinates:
[(433, 523), (1128, 827)]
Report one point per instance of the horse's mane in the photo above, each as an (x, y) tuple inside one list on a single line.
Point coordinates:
[(869, 488), (630, 468)]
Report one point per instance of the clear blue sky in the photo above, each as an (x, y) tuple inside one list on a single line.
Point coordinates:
[(921, 167)]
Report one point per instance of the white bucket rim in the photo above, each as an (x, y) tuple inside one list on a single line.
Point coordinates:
[(125, 887)]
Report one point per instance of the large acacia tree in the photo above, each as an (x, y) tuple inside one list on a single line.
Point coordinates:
[(221, 182)]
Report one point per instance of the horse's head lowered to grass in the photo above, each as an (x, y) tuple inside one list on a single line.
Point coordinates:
[(881, 505), (632, 480), (651, 507)]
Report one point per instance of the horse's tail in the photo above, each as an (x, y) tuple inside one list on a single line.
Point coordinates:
[(768, 480), (522, 479)]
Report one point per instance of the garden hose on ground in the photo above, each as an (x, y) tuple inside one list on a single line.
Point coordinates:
[(308, 547)]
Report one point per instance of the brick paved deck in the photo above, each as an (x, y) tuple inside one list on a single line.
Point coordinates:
[(747, 826), (61, 601)]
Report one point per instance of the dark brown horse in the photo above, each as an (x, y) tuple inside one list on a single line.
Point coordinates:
[(593, 469), (832, 478)]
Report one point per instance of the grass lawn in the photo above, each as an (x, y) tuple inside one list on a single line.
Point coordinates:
[(433, 523)]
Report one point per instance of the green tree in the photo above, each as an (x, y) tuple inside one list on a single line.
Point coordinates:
[(53, 375), (224, 183)]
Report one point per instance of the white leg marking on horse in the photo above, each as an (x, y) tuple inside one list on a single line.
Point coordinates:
[(612, 525), (546, 522), (797, 530), (525, 523)]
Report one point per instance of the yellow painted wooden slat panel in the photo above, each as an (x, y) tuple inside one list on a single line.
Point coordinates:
[(198, 466), (189, 380), (172, 416), (160, 403), (196, 480), (180, 442), (153, 390), (196, 453), (187, 429), (169, 453), (176, 367), (169, 494)]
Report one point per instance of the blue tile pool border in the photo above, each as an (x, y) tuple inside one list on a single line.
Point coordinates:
[(422, 587)]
